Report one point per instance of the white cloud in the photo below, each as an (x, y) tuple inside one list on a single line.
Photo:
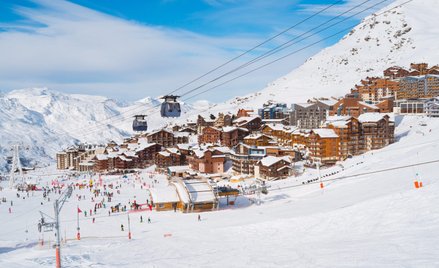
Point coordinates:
[(75, 49)]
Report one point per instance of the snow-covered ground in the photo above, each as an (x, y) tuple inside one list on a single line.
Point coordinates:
[(376, 220)]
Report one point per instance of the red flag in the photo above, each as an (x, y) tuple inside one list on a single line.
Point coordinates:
[(79, 211)]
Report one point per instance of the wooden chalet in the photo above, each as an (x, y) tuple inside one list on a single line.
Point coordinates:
[(274, 168), (207, 161), (323, 146)]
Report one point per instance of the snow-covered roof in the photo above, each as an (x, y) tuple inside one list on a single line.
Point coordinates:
[(143, 146), (368, 105), (330, 102), (164, 195), (101, 157), (159, 130), (275, 126), (305, 104), (256, 136), (173, 150), (337, 118), (271, 160), (178, 169), (229, 129), (199, 153), (222, 149), (245, 119), (123, 158), (165, 154), (338, 121), (181, 134), (183, 146), (325, 133), (199, 191), (130, 154), (371, 117)]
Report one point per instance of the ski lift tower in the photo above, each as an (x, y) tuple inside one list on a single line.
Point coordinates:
[(16, 164), (48, 226)]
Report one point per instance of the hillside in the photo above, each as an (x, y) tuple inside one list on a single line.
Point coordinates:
[(398, 37)]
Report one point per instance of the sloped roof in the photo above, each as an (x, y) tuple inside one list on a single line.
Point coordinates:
[(101, 156), (325, 133), (369, 105), (245, 119), (271, 160), (164, 195), (275, 126), (371, 117)]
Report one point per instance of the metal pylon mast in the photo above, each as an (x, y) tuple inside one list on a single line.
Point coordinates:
[(16, 164)]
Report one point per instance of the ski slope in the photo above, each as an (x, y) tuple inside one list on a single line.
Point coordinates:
[(377, 220)]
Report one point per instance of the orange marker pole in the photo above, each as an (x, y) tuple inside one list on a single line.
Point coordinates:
[(58, 259)]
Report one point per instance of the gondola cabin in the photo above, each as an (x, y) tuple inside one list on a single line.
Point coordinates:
[(170, 106), (140, 123)]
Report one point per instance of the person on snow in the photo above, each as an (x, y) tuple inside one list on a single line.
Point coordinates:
[(149, 220), (141, 219), (199, 217), (121, 227), (93, 220)]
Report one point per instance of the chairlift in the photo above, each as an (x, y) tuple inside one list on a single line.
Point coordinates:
[(140, 123), (45, 226), (170, 107)]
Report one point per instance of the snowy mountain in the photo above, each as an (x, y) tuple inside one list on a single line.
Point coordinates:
[(46, 121), (398, 37)]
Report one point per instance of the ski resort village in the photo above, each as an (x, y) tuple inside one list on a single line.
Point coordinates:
[(334, 164)]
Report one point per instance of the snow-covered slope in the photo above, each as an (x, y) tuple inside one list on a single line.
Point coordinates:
[(406, 34), (373, 220)]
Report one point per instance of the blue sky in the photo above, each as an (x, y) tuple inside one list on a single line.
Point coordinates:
[(132, 49)]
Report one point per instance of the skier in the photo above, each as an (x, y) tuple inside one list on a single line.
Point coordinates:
[(121, 227), (93, 220), (199, 217), (141, 219), (149, 220)]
